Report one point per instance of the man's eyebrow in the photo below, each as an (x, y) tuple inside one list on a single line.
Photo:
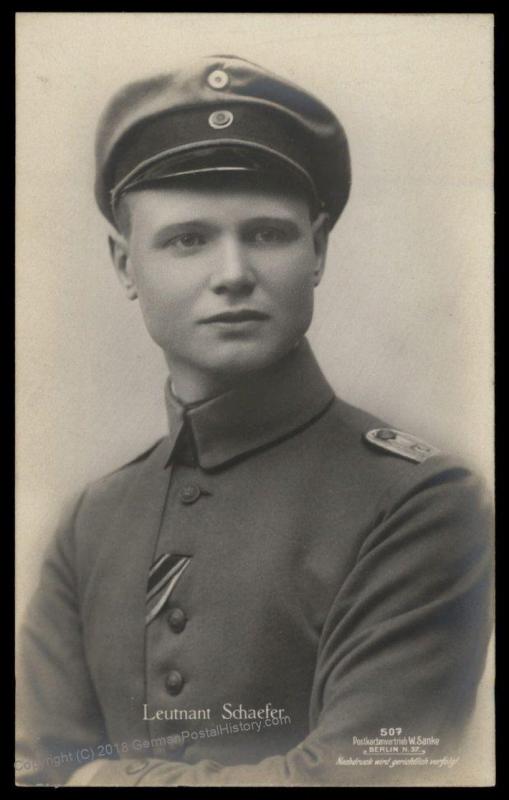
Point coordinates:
[(161, 235), (271, 219)]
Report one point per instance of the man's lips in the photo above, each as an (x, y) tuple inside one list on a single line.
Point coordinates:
[(242, 315)]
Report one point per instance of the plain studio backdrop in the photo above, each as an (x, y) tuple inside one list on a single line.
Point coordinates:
[(403, 319)]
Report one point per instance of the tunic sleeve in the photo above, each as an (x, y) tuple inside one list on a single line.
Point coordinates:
[(403, 645), (57, 714)]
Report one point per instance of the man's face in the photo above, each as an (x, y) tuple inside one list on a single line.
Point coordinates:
[(225, 276)]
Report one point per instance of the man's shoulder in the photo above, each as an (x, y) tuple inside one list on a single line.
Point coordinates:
[(369, 438), (385, 467), (380, 457), (111, 486)]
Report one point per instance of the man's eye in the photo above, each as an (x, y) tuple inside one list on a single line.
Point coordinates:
[(268, 236), (187, 241)]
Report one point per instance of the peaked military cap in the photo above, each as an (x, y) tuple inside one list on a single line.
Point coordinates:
[(220, 113)]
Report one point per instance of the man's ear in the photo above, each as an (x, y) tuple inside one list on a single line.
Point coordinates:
[(320, 229), (119, 251)]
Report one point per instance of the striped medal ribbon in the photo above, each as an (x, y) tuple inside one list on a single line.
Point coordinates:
[(162, 579)]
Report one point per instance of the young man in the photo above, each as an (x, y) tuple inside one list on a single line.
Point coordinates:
[(282, 578)]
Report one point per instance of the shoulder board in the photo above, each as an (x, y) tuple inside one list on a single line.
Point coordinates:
[(401, 444)]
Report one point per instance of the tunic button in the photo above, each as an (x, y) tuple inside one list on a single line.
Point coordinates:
[(177, 620), (385, 433), (174, 682), (190, 493)]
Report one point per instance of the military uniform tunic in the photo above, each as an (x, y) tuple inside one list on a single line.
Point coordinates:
[(342, 583)]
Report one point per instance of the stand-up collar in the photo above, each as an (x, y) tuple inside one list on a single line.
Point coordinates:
[(264, 407)]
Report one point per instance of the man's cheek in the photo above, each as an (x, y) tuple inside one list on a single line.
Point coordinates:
[(158, 319)]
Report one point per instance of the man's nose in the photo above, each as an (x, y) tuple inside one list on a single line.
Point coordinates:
[(233, 272)]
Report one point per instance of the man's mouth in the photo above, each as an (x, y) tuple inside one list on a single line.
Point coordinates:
[(242, 315)]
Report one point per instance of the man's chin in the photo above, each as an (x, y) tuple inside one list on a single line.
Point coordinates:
[(246, 358)]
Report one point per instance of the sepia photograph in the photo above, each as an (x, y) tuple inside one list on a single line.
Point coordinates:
[(254, 399)]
